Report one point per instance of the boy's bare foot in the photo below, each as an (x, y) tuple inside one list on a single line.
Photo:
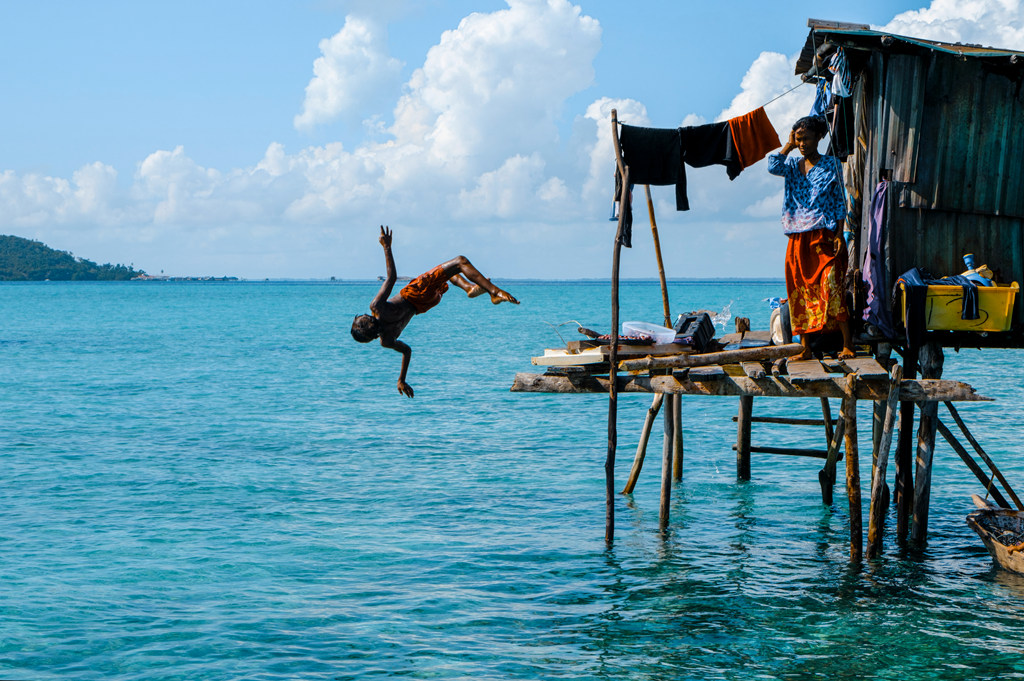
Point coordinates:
[(847, 353), (500, 296), (802, 357)]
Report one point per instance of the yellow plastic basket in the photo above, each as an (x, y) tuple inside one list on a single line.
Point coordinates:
[(944, 305)]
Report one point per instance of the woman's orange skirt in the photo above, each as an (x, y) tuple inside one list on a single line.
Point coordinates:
[(815, 273)]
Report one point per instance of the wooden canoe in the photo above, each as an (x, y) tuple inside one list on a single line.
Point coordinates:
[(1000, 529)]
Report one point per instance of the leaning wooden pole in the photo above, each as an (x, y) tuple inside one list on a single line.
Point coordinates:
[(641, 448), (979, 473), (876, 516), (853, 468), (609, 463), (984, 456)]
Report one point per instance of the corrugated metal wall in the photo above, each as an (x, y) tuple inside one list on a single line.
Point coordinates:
[(950, 134)]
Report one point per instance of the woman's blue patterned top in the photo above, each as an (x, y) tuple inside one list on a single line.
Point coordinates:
[(812, 201)]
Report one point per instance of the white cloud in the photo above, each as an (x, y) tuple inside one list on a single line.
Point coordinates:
[(494, 87), (353, 72), (470, 149), (994, 23)]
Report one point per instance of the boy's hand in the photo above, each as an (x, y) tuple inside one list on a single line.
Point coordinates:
[(385, 239), (404, 388)]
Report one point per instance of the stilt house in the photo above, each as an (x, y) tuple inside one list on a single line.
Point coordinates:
[(944, 124)]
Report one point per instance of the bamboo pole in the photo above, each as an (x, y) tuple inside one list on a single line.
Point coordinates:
[(876, 516), (657, 254), (609, 464), (711, 358), (984, 457), (853, 469), (641, 448)]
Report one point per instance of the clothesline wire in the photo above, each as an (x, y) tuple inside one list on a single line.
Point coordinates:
[(776, 97)]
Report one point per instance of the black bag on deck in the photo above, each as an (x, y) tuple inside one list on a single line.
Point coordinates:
[(695, 331)]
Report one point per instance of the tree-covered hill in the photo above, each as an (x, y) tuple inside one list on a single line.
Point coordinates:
[(27, 260)]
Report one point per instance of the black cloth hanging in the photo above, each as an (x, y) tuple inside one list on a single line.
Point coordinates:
[(705, 145), (654, 156)]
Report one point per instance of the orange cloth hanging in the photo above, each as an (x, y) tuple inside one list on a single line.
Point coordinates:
[(753, 136)]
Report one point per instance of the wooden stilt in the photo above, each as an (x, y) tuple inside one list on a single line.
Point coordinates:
[(677, 443), (878, 421), (905, 456), (931, 367), (609, 463), (743, 438), (666, 466), (984, 457), (879, 495), (853, 468), (641, 448)]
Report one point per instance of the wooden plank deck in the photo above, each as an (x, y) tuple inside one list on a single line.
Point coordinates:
[(693, 382)]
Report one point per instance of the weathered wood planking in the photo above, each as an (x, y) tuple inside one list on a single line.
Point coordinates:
[(919, 390), (711, 358), (754, 370), (806, 371), (866, 367)]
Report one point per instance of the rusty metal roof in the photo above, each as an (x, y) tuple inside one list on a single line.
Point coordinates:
[(862, 37)]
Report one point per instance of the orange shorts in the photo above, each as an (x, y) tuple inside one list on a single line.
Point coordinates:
[(425, 291)]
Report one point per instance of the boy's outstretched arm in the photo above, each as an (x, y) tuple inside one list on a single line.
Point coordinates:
[(392, 274), (406, 351)]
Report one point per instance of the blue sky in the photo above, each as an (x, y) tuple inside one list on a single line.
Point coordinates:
[(269, 139)]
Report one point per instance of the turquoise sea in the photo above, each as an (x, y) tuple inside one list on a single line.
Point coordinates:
[(213, 481)]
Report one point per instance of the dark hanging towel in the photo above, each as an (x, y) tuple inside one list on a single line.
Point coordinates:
[(654, 157), (704, 145)]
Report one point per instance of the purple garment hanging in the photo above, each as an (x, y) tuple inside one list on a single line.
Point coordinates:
[(876, 311)]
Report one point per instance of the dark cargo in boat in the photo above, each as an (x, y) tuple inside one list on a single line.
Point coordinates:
[(695, 331)]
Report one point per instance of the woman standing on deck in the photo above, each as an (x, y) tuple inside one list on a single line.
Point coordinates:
[(813, 215)]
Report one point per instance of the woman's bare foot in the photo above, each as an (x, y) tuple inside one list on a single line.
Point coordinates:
[(847, 353), (500, 296), (802, 357)]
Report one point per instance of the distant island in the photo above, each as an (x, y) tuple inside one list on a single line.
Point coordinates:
[(28, 260)]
